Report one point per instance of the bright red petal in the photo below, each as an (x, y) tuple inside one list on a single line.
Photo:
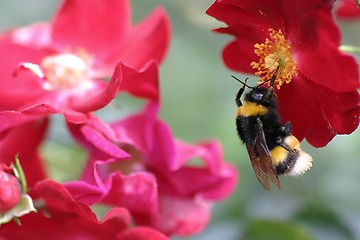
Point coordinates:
[(65, 218), (15, 92), (142, 83), (35, 35), (96, 26), (141, 233), (148, 40), (181, 216), (101, 97), (211, 179), (137, 192), (24, 140)]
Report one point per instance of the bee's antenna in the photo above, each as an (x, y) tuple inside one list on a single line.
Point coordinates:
[(244, 83)]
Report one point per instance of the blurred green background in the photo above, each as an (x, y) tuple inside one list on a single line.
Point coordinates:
[(198, 104)]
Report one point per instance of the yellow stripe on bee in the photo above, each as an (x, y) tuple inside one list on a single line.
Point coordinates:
[(250, 109), (278, 155)]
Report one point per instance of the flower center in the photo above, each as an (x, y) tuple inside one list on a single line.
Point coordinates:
[(63, 71), (275, 56), (134, 164)]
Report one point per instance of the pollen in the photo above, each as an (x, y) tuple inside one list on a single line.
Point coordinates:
[(275, 56), (63, 71)]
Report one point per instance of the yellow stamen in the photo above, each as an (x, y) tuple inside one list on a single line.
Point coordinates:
[(275, 53)]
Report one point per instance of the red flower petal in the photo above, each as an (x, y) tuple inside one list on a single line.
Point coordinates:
[(143, 83), (84, 192), (316, 47), (347, 10), (236, 61), (16, 92), (257, 14), (10, 119), (25, 140), (96, 26), (10, 191), (101, 97), (318, 117), (149, 135), (141, 233), (212, 180), (99, 135), (136, 192), (156, 166), (67, 218), (181, 216), (150, 37), (36, 35)]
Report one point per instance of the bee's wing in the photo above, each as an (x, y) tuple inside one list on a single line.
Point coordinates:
[(261, 160)]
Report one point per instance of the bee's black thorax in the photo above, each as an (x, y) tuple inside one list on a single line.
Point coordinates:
[(246, 125)]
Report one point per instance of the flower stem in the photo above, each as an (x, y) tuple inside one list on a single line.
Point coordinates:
[(350, 49)]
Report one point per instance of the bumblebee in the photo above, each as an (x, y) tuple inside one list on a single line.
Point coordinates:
[(272, 149)]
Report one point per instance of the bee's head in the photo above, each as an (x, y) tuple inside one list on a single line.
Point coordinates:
[(263, 96)]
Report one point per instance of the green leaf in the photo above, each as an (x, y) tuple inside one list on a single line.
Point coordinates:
[(275, 230), (322, 216)]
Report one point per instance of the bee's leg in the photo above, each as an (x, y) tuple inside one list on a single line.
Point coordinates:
[(240, 93), (286, 129)]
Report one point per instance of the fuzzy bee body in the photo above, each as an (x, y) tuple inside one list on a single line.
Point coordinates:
[(272, 149)]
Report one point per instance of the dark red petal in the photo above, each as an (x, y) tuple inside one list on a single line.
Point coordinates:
[(316, 112), (96, 26), (315, 48), (347, 10), (294, 12), (255, 15), (236, 56), (141, 233), (148, 40), (249, 22)]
